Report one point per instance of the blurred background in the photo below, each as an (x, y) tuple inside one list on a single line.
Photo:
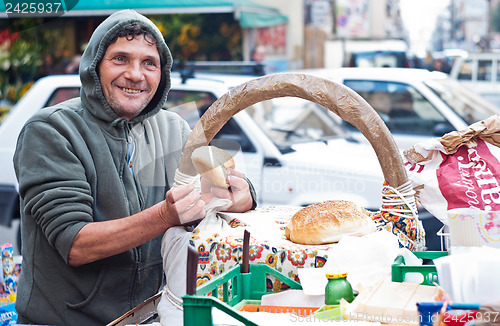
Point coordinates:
[(460, 38), (293, 34)]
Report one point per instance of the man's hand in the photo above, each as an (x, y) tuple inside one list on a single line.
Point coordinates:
[(183, 204), (238, 192)]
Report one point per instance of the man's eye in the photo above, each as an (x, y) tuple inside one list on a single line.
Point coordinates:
[(119, 59), (151, 64)]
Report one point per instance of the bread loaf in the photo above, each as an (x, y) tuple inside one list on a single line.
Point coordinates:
[(212, 163), (327, 222)]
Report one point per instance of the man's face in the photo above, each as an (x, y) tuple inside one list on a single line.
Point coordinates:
[(130, 73)]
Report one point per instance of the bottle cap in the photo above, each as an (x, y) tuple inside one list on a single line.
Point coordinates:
[(339, 274)]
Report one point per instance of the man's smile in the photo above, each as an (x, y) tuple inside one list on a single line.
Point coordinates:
[(130, 90)]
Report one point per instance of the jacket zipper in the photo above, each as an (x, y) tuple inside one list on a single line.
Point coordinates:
[(130, 157), (130, 151)]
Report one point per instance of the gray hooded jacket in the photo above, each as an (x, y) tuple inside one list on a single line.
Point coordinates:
[(72, 166)]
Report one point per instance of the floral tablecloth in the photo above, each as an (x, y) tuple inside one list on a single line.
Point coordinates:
[(219, 242)]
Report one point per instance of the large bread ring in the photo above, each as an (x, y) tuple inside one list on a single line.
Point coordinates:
[(340, 99)]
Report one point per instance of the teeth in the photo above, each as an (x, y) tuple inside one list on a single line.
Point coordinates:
[(129, 90)]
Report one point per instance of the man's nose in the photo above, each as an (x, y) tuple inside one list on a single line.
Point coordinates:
[(134, 71)]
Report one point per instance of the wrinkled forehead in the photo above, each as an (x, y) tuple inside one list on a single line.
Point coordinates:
[(133, 48)]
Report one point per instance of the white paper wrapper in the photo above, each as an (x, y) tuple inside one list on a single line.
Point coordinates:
[(471, 227), (292, 298), (367, 260)]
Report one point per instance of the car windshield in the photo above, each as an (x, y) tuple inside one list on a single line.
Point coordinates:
[(401, 106), (291, 120), (379, 59), (469, 105)]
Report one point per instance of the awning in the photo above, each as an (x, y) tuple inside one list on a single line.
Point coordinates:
[(250, 19), (247, 12)]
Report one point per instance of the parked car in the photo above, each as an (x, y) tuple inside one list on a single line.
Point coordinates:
[(416, 104), (480, 72), (315, 158), (378, 59)]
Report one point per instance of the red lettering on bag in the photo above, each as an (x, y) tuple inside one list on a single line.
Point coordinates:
[(468, 178), (414, 166)]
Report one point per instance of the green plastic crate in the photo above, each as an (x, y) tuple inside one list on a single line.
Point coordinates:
[(428, 272), (237, 287)]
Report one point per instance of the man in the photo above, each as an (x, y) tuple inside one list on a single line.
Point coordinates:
[(93, 212)]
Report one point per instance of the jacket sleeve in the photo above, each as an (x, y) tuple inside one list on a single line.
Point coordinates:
[(52, 184)]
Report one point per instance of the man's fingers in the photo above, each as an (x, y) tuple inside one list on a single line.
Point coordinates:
[(234, 172), (185, 203), (221, 192), (237, 182), (176, 193), (194, 212)]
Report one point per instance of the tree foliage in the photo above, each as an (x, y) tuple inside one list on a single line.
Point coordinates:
[(24, 43), (215, 37)]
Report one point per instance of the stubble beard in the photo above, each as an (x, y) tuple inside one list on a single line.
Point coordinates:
[(119, 109)]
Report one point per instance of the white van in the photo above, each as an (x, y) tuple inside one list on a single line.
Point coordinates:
[(479, 72)]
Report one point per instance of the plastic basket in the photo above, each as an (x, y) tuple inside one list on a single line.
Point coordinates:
[(299, 311), (328, 313), (238, 291), (428, 272)]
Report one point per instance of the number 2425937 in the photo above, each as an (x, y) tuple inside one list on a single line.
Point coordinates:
[(33, 7)]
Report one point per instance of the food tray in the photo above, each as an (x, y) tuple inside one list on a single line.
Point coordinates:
[(428, 272)]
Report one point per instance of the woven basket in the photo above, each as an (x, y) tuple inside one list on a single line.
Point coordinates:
[(349, 106)]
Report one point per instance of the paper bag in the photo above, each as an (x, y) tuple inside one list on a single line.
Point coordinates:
[(459, 170)]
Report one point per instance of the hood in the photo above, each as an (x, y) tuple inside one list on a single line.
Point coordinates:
[(91, 91)]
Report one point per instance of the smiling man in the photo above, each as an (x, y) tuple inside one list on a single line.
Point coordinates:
[(92, 217), (130, 73)]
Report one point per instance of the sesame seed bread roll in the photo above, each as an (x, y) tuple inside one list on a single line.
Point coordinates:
[(327, 222)]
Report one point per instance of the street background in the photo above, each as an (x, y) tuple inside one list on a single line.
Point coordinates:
[(295, 34)]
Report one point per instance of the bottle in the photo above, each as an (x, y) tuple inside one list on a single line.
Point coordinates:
[(338, 287)]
